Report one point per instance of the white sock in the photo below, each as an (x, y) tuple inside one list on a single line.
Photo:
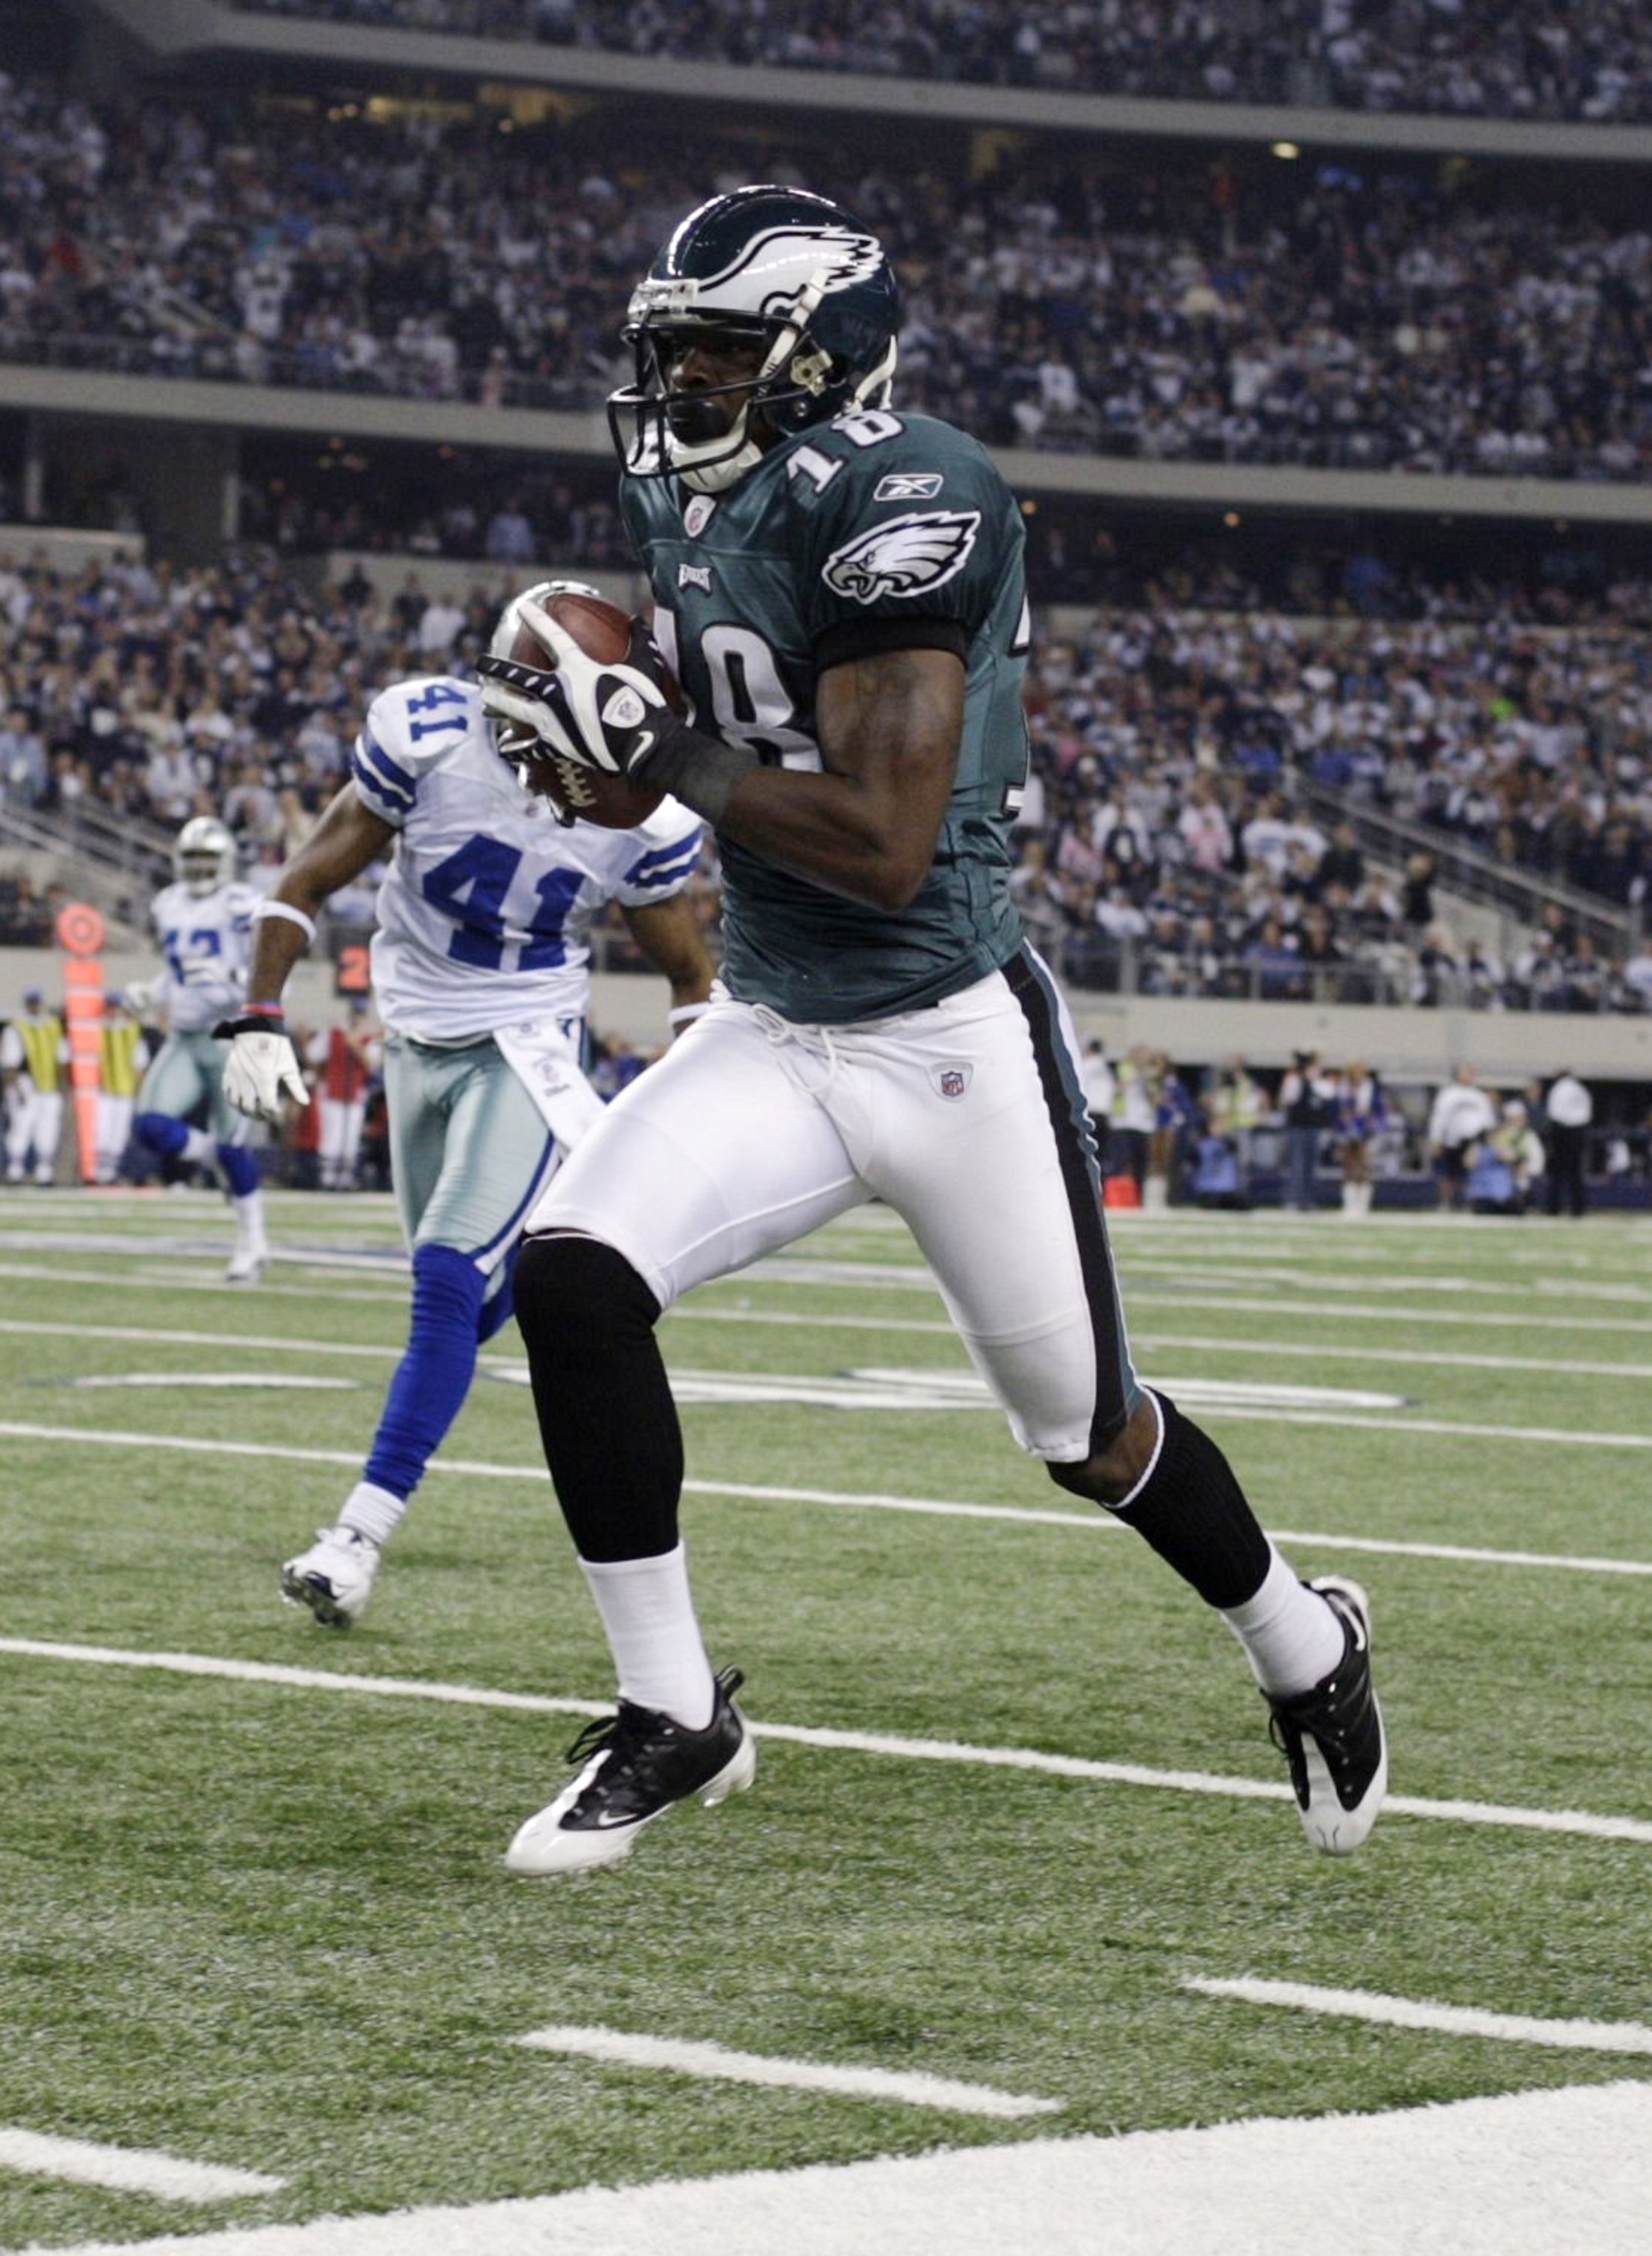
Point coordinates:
[(647, 1612), (372, 1512), (1291, 1637), (198, 1145), (249, 1218)]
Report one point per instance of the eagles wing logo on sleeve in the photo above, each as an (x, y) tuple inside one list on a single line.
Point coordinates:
[(904, 556)]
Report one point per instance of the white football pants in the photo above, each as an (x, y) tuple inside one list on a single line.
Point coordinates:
[(967, 1119), (36, 1126)]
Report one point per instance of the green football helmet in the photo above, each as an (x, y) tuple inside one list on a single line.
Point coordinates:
[(788, 273)]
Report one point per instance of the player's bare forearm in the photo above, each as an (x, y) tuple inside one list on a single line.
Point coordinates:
[(348, 837), (669, 934), (865, 826)]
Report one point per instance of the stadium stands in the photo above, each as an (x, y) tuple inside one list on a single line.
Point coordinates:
[(1369, 318), (1170, 843), (1202, 310), (1475, 59)]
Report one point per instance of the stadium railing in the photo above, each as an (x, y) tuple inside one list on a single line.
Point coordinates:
[(1519, 895)]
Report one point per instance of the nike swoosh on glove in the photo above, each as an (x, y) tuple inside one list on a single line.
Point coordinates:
[(261, 1068), (614, 717)]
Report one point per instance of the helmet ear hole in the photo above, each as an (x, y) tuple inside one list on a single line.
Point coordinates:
[(810, 369)]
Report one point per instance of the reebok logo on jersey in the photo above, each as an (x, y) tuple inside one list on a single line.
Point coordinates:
[(908, 486), (904, 556), (695, 575), (952, 1080)]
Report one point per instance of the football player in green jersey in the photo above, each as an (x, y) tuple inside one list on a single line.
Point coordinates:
[(839, 589)]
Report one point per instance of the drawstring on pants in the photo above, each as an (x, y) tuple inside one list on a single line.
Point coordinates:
[(778, 1031)]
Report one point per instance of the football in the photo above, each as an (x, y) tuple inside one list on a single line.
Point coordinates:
[(602, 630)]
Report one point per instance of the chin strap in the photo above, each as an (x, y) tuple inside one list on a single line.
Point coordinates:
[(717, 477)]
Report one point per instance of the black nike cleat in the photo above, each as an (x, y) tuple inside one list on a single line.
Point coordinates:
[(1332, 1736), (637, 1763)]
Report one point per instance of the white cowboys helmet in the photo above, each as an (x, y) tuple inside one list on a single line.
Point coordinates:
[(767, 266), (203, 856)]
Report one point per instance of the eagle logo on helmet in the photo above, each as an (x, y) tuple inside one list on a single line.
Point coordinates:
[(837, 258), (904, 556)]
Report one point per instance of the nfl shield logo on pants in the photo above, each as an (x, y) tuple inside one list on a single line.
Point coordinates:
[(951, 1080)]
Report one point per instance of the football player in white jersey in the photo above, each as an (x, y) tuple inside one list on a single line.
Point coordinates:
[(481, 968), (204, 923)]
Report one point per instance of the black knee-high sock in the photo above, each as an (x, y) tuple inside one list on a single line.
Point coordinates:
[(1193, 1513), (605, 1409)]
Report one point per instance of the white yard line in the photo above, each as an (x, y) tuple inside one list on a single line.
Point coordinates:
[(145, 1334), (848, 1500), (1560, 1436), (871, 1278), (1143, 1335), (906, 1278), (1583, 1824), (1421, 2013), (674, 2056), (1347, 1280), (1426, 1358), (802, 1264), (1208, 1343), (798, 1267), (1529, 2173), (387, 1258), (1397, 1428), (127, 2169), (175, 1281), (1623, 1241), (1481, 1319)]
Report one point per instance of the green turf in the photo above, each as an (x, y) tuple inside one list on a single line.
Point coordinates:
[(267, 1925)]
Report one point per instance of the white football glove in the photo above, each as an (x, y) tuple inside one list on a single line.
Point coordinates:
[(611, 716), (262, 1067), (138, 995)]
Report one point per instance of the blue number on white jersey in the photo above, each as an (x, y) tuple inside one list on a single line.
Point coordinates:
[(485, 916), (439, 692), (207, 941)]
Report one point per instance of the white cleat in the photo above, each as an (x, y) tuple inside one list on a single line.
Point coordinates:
[(246, 1264), (334, 1578)]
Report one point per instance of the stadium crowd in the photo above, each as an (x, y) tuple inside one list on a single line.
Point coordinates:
[(1163, 839), (1472, 58), (1375, 320)]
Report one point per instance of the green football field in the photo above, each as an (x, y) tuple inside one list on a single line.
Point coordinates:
[(1020, 1864)]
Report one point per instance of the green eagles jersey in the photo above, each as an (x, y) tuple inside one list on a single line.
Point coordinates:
[(873, 533)]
